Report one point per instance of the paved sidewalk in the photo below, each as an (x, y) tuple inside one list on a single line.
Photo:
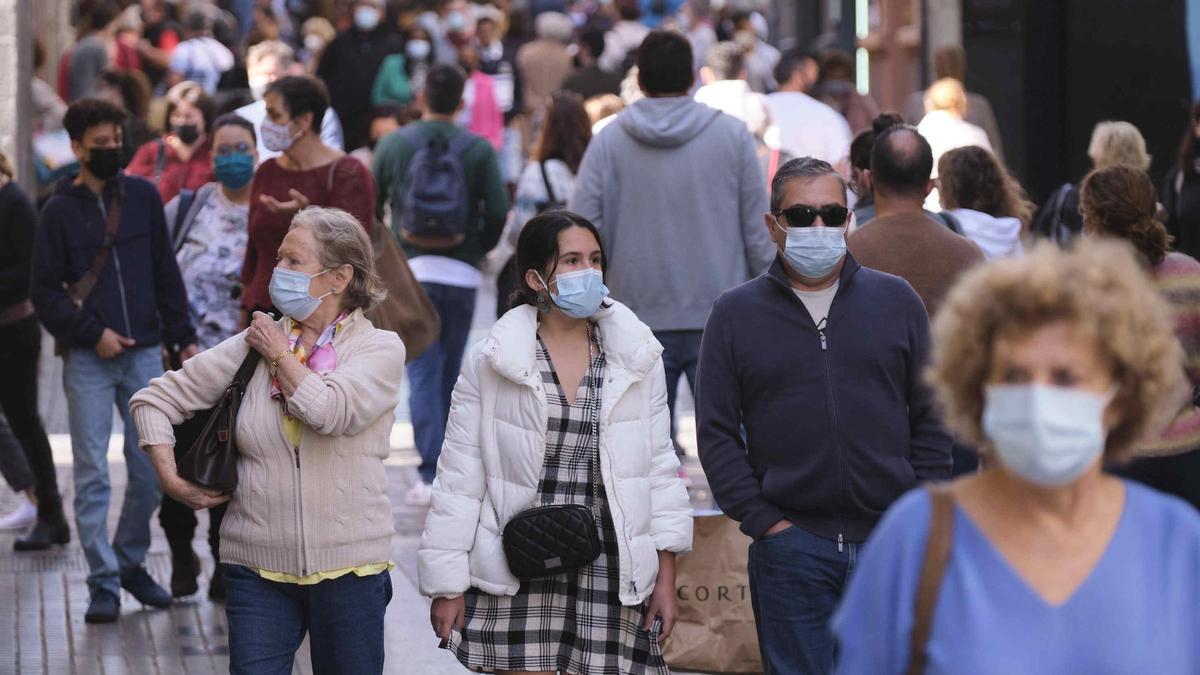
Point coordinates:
[(45, 633)]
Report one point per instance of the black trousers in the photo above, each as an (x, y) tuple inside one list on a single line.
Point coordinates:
[(20, 347)]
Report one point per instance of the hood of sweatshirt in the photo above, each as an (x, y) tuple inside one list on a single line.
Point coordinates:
[(666, 122), (996, 236)]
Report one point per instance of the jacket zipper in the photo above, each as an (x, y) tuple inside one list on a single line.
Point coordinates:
[(120, 277), (302, 554), (121, 288), (836, 428)]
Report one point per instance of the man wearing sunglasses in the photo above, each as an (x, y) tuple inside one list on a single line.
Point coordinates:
[(812, 416)]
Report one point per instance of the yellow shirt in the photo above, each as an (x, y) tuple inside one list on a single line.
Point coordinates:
[(368, 570)]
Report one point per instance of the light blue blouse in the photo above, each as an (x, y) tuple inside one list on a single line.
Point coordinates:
[(1137, 612)]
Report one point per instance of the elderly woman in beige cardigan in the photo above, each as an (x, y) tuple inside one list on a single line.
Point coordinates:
[(307, 538)]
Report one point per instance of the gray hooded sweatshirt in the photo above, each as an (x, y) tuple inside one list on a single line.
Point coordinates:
[(677, 193)]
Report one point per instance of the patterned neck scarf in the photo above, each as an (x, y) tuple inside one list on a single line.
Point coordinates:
[(321, 360)]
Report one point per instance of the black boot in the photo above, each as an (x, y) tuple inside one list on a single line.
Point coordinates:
[(46, 533), (185, 568)]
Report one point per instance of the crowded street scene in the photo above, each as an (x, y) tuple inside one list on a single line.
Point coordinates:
[(600, 337)]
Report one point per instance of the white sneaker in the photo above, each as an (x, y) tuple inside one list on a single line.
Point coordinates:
[(24, 516), (419, 495)]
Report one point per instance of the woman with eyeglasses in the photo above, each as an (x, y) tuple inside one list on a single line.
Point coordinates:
[(208, 227)]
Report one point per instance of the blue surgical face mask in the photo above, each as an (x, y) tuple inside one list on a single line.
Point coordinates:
[(289, 293), (814, 252), (1046, 435), (580, 293), (234, 170), (366, 18)]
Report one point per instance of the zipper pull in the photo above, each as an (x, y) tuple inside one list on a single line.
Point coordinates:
[(297, 451), (839, 542), (821, 332)]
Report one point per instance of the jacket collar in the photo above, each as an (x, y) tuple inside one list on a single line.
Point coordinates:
[(778, 276), (511, 346)]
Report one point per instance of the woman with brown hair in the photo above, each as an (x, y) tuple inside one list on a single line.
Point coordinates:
[(1056, 363), (985, 199), (1120, 202), (182, 158), (546, 183)]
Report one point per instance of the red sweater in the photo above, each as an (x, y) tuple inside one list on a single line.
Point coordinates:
[(353, 191), (176, 174)]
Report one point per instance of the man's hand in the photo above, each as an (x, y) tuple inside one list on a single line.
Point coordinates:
[(188, 352), (298, 201), (778, 527), (112, 344), (447, 613)]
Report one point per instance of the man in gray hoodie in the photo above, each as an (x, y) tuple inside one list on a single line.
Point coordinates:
[(677, 193)]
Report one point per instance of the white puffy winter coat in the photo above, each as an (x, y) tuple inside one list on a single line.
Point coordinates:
[(495, 447)]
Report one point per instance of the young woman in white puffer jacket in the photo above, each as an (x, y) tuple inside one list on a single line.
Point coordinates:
[(516, 439)]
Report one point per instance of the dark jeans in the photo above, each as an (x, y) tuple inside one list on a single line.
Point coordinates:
[(681, 352), (432, 375), (20, 346), (343, 618), (796, 581)]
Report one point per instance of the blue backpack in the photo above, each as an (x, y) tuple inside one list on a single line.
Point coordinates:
[(437, 200)]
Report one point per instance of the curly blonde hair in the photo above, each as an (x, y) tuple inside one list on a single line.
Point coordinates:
[(1099, 290)]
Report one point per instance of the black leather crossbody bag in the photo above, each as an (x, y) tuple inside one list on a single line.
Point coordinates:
[(210, 456), (557, 538)]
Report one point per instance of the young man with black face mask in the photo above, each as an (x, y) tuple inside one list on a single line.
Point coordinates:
[(106, 286)]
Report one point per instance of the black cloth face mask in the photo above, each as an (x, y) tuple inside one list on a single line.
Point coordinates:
[(104, 163), (188, 133)]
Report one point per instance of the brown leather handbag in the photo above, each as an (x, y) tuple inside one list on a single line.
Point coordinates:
[(210, 458)]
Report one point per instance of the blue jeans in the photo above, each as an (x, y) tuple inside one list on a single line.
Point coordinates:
[(92, 386), (343, 618), (796, 581), (432, 375), (681, 352)]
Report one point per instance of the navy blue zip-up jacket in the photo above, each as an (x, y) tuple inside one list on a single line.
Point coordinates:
[(139, 292), (838, 421)]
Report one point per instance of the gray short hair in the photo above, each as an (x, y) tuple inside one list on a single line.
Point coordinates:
[(271, 48), (803, 168), (344, 242)]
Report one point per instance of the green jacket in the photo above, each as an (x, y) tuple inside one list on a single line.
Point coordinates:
[(391, 83), (489, 197)]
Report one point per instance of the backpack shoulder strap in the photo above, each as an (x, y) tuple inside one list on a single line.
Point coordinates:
[(461, 142), (933, 569)]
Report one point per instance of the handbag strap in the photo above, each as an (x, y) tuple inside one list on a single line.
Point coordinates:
[(553, 200), (933, 569), (246, 371)]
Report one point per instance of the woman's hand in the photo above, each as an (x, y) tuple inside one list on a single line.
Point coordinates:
[(447, 613), (194, 496), (265, 336), (297, 202), (664, 604)]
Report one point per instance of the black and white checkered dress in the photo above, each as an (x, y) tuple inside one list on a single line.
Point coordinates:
[(572, 623)]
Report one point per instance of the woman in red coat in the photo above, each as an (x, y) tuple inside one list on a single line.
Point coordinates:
[(182, 158)]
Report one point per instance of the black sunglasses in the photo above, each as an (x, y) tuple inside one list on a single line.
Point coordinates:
[(832, 215)]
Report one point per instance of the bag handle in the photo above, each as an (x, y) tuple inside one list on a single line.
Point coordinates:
[(246, 371), (81, 289), (933, 569)]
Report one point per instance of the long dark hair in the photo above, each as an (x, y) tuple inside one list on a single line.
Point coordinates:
[(566, 132), (1189, 147), (537, 249)]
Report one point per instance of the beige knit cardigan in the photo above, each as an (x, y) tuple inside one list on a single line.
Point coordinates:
[(318, 508)]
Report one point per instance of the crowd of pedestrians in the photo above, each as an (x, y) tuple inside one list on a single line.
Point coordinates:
[(861, 304)]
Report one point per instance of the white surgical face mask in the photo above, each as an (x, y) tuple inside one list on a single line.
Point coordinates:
[(258, 87), (417, 50), (276, 137), (313, 42), (1044, 434)]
